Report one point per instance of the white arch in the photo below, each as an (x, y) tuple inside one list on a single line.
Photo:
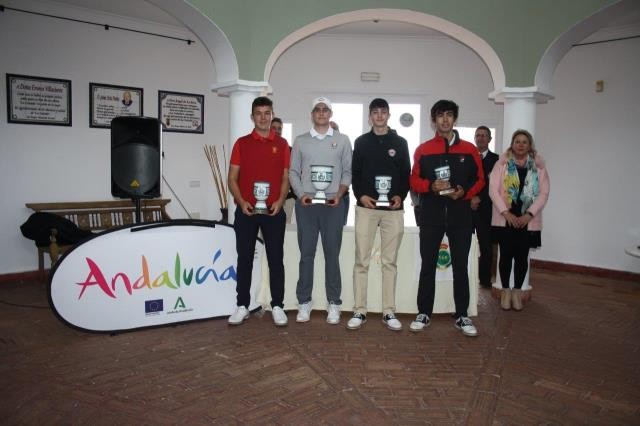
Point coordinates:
[(212, 37), (560, 46), (482, 48)]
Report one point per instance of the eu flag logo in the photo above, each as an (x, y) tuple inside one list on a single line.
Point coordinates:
[(153, 306)]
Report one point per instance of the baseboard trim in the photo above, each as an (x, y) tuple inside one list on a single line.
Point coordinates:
[(23, 276), (587, 270)]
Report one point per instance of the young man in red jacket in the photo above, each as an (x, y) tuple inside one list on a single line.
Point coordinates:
[(447, 174)]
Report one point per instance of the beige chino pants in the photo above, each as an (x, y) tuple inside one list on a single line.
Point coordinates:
[(391, 224)]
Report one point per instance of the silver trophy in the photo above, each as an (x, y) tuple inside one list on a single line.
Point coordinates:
[(444, 173), (321, 177), (261, 192), (383, 186)]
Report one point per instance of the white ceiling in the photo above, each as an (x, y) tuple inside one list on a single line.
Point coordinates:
[(138, 9)]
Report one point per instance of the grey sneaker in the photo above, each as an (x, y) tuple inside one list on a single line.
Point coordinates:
[(422, 321), (279, 316), (392, 322), (333, 313), (304, 312), (238, 317), (467, 327), (356, 321)]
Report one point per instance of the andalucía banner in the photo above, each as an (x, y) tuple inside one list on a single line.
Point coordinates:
[(150, 275)]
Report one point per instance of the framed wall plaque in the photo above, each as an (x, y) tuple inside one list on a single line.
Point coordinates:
[(38, 100), (107, 102), (181, 112)]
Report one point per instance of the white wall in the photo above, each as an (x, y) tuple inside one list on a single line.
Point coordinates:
[(51, 163), (591, 142), (424, 69)]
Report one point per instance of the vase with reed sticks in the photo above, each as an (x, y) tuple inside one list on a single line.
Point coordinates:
[(219, 178)]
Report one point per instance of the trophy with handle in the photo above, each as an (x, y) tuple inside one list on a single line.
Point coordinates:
[(383, 186), (261, 192), (321, 177), (444, 173)]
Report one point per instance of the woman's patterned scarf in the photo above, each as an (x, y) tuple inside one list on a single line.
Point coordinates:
[(511, 183)]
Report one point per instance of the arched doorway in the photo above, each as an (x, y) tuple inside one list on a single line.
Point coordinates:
[(559, 48), (330, 63), (466, 37), (212, 37)]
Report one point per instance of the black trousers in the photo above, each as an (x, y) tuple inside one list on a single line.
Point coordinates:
[(482, 225), (514, 248), (459, 245), (246, 229)]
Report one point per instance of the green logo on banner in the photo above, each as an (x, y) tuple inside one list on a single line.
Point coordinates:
[(180, 307), (444, 257), (179, 304)]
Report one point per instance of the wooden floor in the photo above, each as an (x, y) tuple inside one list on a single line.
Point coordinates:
[(571, 357)]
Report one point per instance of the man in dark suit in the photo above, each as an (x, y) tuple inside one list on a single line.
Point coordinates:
[(481, 206)]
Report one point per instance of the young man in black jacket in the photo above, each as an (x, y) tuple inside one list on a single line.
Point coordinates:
[(380, 166), (445, 208)]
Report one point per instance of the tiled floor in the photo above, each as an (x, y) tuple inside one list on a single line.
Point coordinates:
[(571, 357)]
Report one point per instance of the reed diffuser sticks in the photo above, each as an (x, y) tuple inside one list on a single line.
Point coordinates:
[(219, 179)]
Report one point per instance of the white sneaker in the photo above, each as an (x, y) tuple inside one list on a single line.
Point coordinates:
[(392, 322), (356, 321), (304, 312), (279, 316), (422, 321), (467, 327), (238, 317), (333, 313)]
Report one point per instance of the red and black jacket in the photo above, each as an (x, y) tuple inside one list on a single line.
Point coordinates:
[(466, 171)]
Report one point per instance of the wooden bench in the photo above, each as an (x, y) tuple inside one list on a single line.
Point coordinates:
[(96, 216)]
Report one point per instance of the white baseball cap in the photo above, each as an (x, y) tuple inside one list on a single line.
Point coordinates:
[(321, 100)]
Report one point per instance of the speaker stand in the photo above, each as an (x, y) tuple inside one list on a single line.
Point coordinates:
[(138, 204)]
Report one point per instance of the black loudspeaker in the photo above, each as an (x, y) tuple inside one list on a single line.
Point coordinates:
[(136, 160)]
